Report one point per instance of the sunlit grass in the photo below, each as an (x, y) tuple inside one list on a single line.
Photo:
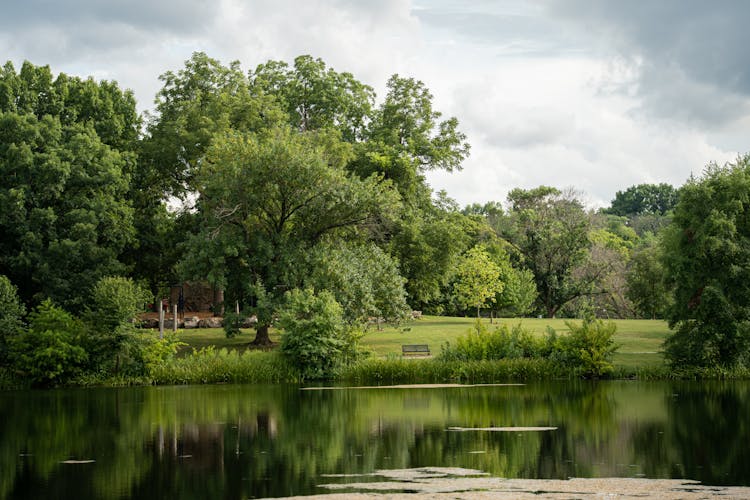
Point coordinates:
[(639, 340)]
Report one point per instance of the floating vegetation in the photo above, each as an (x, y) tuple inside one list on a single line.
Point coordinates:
[(435, 482), (501, 429), (407, 386)]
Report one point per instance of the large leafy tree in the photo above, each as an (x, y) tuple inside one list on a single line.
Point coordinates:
[(197, 102), (266, 199), (201, 100), (316, 97), (407, 138), (707, 261), (644, 199), (65, 159), (551, 229)]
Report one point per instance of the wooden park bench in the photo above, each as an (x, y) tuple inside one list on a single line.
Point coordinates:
[(415, 350)]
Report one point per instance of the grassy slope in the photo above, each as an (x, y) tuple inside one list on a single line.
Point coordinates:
[(639, 340)]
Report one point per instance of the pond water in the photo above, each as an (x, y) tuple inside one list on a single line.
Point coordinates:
[(238, 442)]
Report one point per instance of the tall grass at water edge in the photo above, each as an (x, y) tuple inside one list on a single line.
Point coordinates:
[(215, 366)]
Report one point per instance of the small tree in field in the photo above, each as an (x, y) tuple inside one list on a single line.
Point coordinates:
[(477, 279)]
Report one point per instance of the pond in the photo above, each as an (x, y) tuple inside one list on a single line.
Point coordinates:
[(238, 442)]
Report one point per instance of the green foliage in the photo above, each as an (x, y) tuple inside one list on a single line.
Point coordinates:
[(427, 244), (232, 324), (707, 261), (116, 301), (157, 352), (432, 371), (519, 293), (212, 366), (646, 280), (315, 338), (50, 351), (502, 343), (200, 101), (113, 342), (477, 279), (588, 348), (364, 279), (266, 200), (64, 214), (644, 199), (11, 316), (551, 229), (315, 97)]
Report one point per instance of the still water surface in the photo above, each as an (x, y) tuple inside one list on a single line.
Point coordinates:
[(238, 442)]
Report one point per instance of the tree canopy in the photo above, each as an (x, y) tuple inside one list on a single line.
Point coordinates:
[(707, 261)]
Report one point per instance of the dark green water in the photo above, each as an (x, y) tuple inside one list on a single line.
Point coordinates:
[(233, 442)]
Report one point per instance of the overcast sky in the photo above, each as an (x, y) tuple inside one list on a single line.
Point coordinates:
[(593, 94)]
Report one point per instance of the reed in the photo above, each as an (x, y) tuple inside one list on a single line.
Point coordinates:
[(214, 366)]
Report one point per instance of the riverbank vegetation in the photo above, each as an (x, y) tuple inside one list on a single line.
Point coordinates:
[(301, 199)]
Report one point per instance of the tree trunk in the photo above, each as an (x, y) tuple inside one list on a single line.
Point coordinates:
[(218, 302), (477, 311), (261, 337), (551, 311)]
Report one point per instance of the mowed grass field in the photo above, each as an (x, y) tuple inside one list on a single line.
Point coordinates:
[(639, 340)]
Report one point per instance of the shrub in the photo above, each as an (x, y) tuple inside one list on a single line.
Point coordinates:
[(50, 351), (114, 343), (315, 338), (117, 300), (588, 348), (502, 343)]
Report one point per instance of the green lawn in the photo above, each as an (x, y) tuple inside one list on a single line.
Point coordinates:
[(639, 340)]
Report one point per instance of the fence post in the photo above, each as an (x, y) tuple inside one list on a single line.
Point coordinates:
[(174, 324), (161, 319)]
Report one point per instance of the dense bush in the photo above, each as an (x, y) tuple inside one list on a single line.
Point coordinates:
[(502, 343), (50, 352), (114, 343), (588, 349), (117, 300), (315, 338)]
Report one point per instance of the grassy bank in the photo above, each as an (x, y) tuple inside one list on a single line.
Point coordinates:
[(209, 358), (639, 340)]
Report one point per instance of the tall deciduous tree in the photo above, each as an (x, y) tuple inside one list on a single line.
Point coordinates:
[(707, 260), (644, 199), (316, 97), (551, 228), (268, 198), (646, 287), (406, 138)]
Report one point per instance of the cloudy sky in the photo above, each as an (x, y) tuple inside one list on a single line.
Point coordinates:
[(593, 94)]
